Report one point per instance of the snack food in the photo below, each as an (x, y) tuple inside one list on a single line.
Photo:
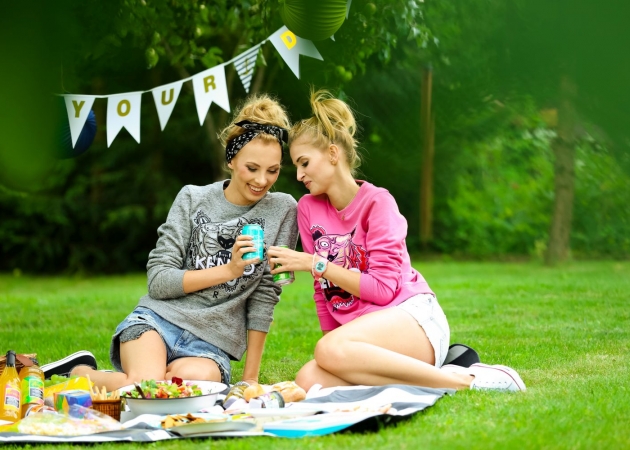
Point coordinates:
[(253, 390), (184, 419), (290, 391), (65, 399)]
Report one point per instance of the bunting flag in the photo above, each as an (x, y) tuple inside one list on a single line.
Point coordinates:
[(245, 64), (165, 98), (291, 47), (78, 108), (210, 86), (123, 111)]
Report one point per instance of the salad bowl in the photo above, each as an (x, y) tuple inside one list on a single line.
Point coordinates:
[(161, 396)]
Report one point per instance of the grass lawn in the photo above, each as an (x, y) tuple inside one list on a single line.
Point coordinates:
[(566, 330)]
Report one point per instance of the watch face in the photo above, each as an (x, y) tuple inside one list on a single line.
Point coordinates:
[(320, 266)]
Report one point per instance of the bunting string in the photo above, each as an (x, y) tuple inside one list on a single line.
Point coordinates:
[(209, 86)]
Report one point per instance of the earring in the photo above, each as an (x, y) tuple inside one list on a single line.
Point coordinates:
[(333, 162)]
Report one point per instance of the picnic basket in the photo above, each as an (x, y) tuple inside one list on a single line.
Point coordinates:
[(109, 407), (19, 358)]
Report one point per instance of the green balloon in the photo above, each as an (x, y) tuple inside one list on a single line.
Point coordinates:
[(314, 20)]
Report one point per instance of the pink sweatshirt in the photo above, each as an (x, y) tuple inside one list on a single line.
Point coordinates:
[(367, 236)]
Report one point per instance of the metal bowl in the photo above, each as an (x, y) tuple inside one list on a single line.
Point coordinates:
[(210, 389)]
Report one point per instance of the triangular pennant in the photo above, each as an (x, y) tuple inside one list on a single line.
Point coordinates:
[(123, 110), (209, 86), (78, 108), (165, 98), (245, 64), (291, 47)]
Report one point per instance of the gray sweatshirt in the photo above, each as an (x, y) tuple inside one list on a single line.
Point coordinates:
[(199, 233)]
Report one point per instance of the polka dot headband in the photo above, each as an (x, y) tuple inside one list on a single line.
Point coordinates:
[(253, 130)]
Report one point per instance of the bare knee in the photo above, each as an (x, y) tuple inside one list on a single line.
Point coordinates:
[(330, 354), (137, 377), (203, 369), (307, 376)]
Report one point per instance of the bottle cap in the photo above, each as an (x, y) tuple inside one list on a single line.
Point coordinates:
[(10, 358)]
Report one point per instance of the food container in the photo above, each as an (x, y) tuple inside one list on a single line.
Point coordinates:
[(65, 399), (78, 383), (110, 407), (210, 392)]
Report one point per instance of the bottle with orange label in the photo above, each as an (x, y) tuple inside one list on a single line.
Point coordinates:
[(32, 385), (10, 391)]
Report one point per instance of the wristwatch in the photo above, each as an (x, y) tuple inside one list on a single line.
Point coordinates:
[(319, 267)]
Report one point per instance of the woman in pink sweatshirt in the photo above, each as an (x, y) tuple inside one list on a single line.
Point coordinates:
[(381, 321)]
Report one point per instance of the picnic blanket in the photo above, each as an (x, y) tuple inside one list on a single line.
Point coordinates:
[(354, 408)]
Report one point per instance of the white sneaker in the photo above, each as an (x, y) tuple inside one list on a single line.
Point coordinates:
[(497, 377), (455, 369)]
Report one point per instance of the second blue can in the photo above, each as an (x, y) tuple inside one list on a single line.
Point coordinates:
[(256, 232)]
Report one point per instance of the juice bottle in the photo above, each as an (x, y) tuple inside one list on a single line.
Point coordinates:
[(32, 384), (10, 394)]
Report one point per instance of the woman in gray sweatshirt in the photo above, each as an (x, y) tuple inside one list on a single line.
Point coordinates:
[(206, 305)]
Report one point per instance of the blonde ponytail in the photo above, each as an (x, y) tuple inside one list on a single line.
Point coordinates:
[(332, 123)]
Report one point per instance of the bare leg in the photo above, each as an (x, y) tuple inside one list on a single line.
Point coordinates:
[(383, 347), (142, 359), (194, 369), (311, 374)]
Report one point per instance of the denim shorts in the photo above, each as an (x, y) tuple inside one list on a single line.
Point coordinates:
[(428, 312), (179, 342)]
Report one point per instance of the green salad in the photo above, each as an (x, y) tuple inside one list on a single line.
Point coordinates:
[(176, 388)]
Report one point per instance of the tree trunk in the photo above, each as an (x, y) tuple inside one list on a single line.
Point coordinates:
[(427, 127), (558, 247)]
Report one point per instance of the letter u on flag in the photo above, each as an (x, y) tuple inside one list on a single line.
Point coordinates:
[(291, 47), (123, 110), (165, 98), (209, 86), (78, 108), (245, 64)]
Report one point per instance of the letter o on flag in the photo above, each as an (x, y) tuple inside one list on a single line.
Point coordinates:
[(123, 104)]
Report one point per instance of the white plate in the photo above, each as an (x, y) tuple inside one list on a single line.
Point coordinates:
[(194, 429), (210, 389), (280, 412)]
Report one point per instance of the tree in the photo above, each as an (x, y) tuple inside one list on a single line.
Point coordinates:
[(571, 56), (121, 194)]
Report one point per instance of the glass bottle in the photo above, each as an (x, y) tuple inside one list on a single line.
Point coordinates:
[(32, 384), (10, 392)]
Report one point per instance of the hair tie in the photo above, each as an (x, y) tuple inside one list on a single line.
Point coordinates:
[(253, 130)]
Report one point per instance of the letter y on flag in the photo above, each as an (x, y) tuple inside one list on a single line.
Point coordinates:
[(78, 108)]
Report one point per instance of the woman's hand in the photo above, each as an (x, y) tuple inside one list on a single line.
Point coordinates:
[(290, 260), (243, 244)]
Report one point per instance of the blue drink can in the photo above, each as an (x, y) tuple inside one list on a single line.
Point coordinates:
[(256, 232)]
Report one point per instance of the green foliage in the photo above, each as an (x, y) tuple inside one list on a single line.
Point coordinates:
[(100, 211), (601, 218), (500, 197)]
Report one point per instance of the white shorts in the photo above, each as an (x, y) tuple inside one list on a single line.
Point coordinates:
[(428, 312)]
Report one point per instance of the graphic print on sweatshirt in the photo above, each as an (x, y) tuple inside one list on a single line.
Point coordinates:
[(211, 245), (338, 249)]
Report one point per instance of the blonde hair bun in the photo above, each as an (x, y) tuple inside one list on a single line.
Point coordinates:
[(258, 108), (333, 122), (334, 115)]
